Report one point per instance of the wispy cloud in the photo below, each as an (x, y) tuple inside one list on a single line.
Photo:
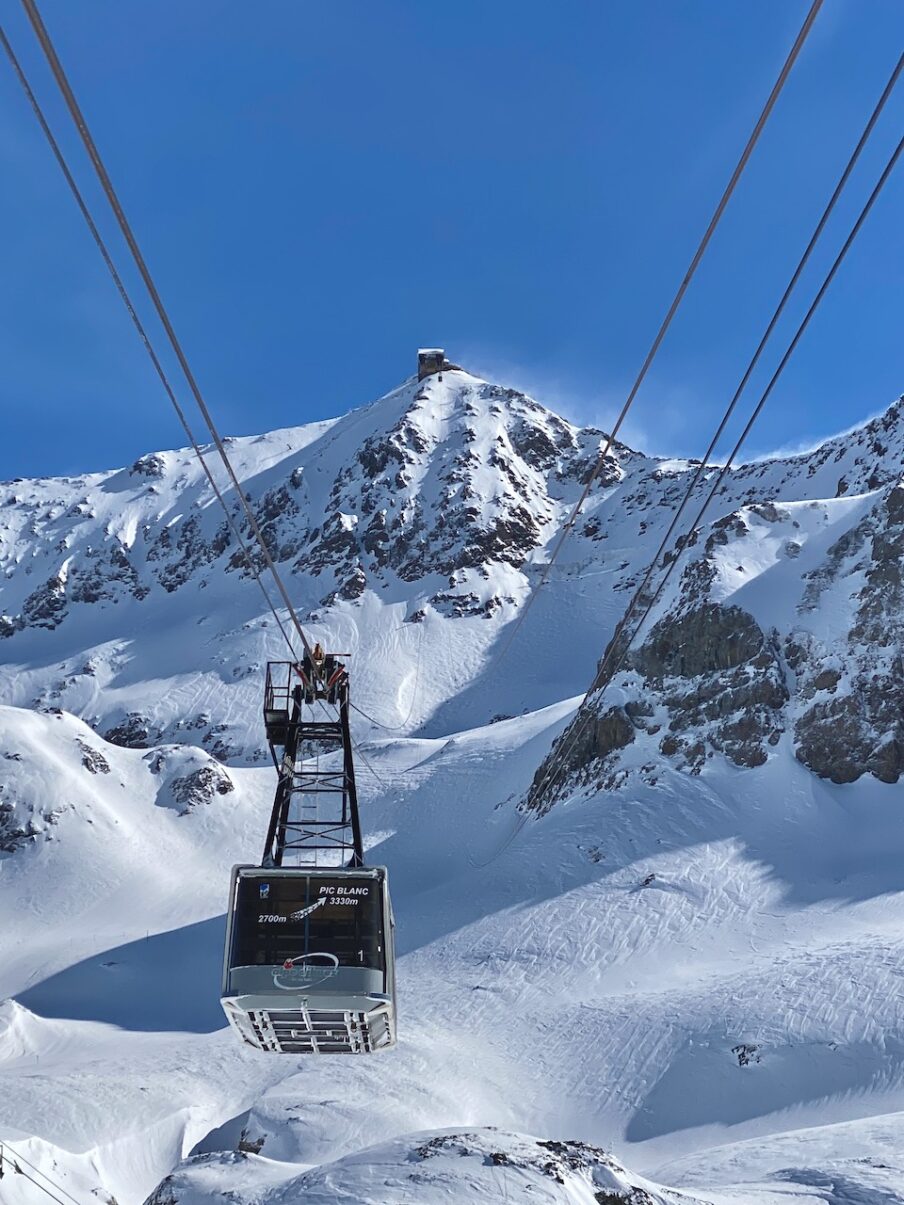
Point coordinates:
[(657, 425), (803, 447)]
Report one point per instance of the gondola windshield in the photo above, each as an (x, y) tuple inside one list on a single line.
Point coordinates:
[(307, 924)]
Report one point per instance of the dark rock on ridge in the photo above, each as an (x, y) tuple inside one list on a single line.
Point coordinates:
[(859, 728), (201, 787), (135, 731), (704, 641)]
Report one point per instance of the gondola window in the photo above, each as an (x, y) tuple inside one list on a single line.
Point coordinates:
[(302, 916)]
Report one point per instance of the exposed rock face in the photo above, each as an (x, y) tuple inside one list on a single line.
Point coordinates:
[(708, 679), (599, 736), (190, 549), (579, 748), (853, 722), (46, 606), (721, 681), (12, 834), (152, 465), (414, 504), (201, 787), (105, 573), (24, 820), (466, 476), (92, 759), (134, 732), (704, 641)]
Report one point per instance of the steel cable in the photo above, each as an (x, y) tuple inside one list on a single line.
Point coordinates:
[(136, 320), (81, 125), (779, 310), (107, 186), (46, 1191), (20, 1157), (667, 321), (14, 1158), (618, 649), (855, 155), (78, 118), (113, 200), (417, 677)]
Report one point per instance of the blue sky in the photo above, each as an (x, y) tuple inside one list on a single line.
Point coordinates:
[(319, 188)]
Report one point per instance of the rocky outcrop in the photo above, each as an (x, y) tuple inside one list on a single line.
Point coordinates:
[(45, 607), (852, 721), (151, 465), (20, 823), (415, 502), (707, 640), (585, 745), (200, 787), (134, 731), (105, 573), (185, 549), (480, 1164), (13, 835), (92, 759), (705, 681), (712, 681), (721, 682)]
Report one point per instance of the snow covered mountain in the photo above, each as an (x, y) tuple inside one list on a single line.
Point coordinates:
[(785, 626), (690, 955)]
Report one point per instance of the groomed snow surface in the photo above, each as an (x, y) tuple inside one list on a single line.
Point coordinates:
[(685, 991)]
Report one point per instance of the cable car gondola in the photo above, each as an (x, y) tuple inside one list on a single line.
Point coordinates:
[(308, 966), (309, 960)]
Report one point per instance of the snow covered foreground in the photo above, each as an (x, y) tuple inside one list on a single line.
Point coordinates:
[(482, 1165), (496, 1165), (698, 973)]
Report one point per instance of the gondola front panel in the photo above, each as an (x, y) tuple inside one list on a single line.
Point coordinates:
[(309, 959), (302, 919)]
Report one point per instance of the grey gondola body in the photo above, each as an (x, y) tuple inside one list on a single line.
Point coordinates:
[(309, 965)]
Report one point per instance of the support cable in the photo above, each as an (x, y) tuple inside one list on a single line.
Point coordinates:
[(367, 765), (136, 321), (46, 1191), (19, 1157), (417, 677), (667, 321), (14, 1160), (355, 744), (91, 148), (78, 118), (701, 468), (618, 650)]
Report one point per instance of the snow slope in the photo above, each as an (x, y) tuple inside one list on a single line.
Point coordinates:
[(692, 961)]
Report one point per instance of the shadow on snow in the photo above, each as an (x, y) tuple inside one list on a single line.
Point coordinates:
[(166, 982)]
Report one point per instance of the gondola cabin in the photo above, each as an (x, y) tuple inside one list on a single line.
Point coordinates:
[(309, 966)]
